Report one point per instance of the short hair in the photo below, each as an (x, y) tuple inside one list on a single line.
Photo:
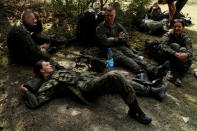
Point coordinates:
[(110, 9), (26, 13), (160, 1), (37, 67)]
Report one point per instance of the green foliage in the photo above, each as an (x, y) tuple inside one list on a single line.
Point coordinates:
[(65, 13), (136, 12)]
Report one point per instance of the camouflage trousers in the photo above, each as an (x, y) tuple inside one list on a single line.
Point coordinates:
[(126, 58), (109, 83)]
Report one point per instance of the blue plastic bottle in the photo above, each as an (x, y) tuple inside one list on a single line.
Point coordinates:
[(110, 60), (146, 19)]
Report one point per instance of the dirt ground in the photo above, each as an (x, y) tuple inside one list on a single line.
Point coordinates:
[(109, 113)]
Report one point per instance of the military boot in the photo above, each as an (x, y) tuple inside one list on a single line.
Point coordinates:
[(174, 78), (142, 78), (136, 112), (161, 71), (178, 82), (159, 93)]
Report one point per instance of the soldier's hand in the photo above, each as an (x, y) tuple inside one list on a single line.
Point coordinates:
[(23, 89), (37, 16), (46, 46), (110, 38), (121, 34), (183, 57)]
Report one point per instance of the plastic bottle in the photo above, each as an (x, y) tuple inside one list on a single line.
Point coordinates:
[(110, 60), (146, 18)]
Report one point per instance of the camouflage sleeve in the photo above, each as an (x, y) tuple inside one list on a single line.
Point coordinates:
[(102, 37), (188, 46), (125, 38), (29, 46), (165, 44), (44, 94)]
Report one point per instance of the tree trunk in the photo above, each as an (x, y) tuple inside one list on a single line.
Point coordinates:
[(179, 5), (102, 3)]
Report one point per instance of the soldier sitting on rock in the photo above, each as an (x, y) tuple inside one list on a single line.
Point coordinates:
[(50, 82), (25, 43)]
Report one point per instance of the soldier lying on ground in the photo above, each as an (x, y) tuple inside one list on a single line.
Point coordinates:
[(113, 35), (25, 43), (176, 47), (50, 83)]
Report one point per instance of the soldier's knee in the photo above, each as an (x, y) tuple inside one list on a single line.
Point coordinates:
[(175, 46), (183, 49), (114, 75)]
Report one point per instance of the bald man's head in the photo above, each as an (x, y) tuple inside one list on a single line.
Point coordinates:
[(28, 17)]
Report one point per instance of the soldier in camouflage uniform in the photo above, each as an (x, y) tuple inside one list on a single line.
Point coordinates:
[(24, 43), (113, 35), (176, 46), (85, 86)]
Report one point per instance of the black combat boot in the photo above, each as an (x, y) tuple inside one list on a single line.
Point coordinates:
[(136, 112), (159, 93), (161, 71), (178, 82), (142, 78)]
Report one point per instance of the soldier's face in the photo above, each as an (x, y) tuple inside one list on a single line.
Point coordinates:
[(110, 16), (46, 68), (178, 28), (30, 19)]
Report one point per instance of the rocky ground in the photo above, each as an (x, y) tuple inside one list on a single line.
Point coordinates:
[(109, 113)]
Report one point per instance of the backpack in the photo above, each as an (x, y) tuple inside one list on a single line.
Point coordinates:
[(86, 26)]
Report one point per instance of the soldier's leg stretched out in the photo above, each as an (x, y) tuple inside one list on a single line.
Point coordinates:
[(125, 57), (121, 60), (113, 82)]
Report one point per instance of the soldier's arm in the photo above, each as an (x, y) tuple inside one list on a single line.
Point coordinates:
[(125, 38), (43, 95), (29, 46), (165, 45), (103, 39), (189, 47)]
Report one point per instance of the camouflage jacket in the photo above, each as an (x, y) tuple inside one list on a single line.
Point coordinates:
[(22, 47), (76, 82), (183, 40), (105, 31)]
